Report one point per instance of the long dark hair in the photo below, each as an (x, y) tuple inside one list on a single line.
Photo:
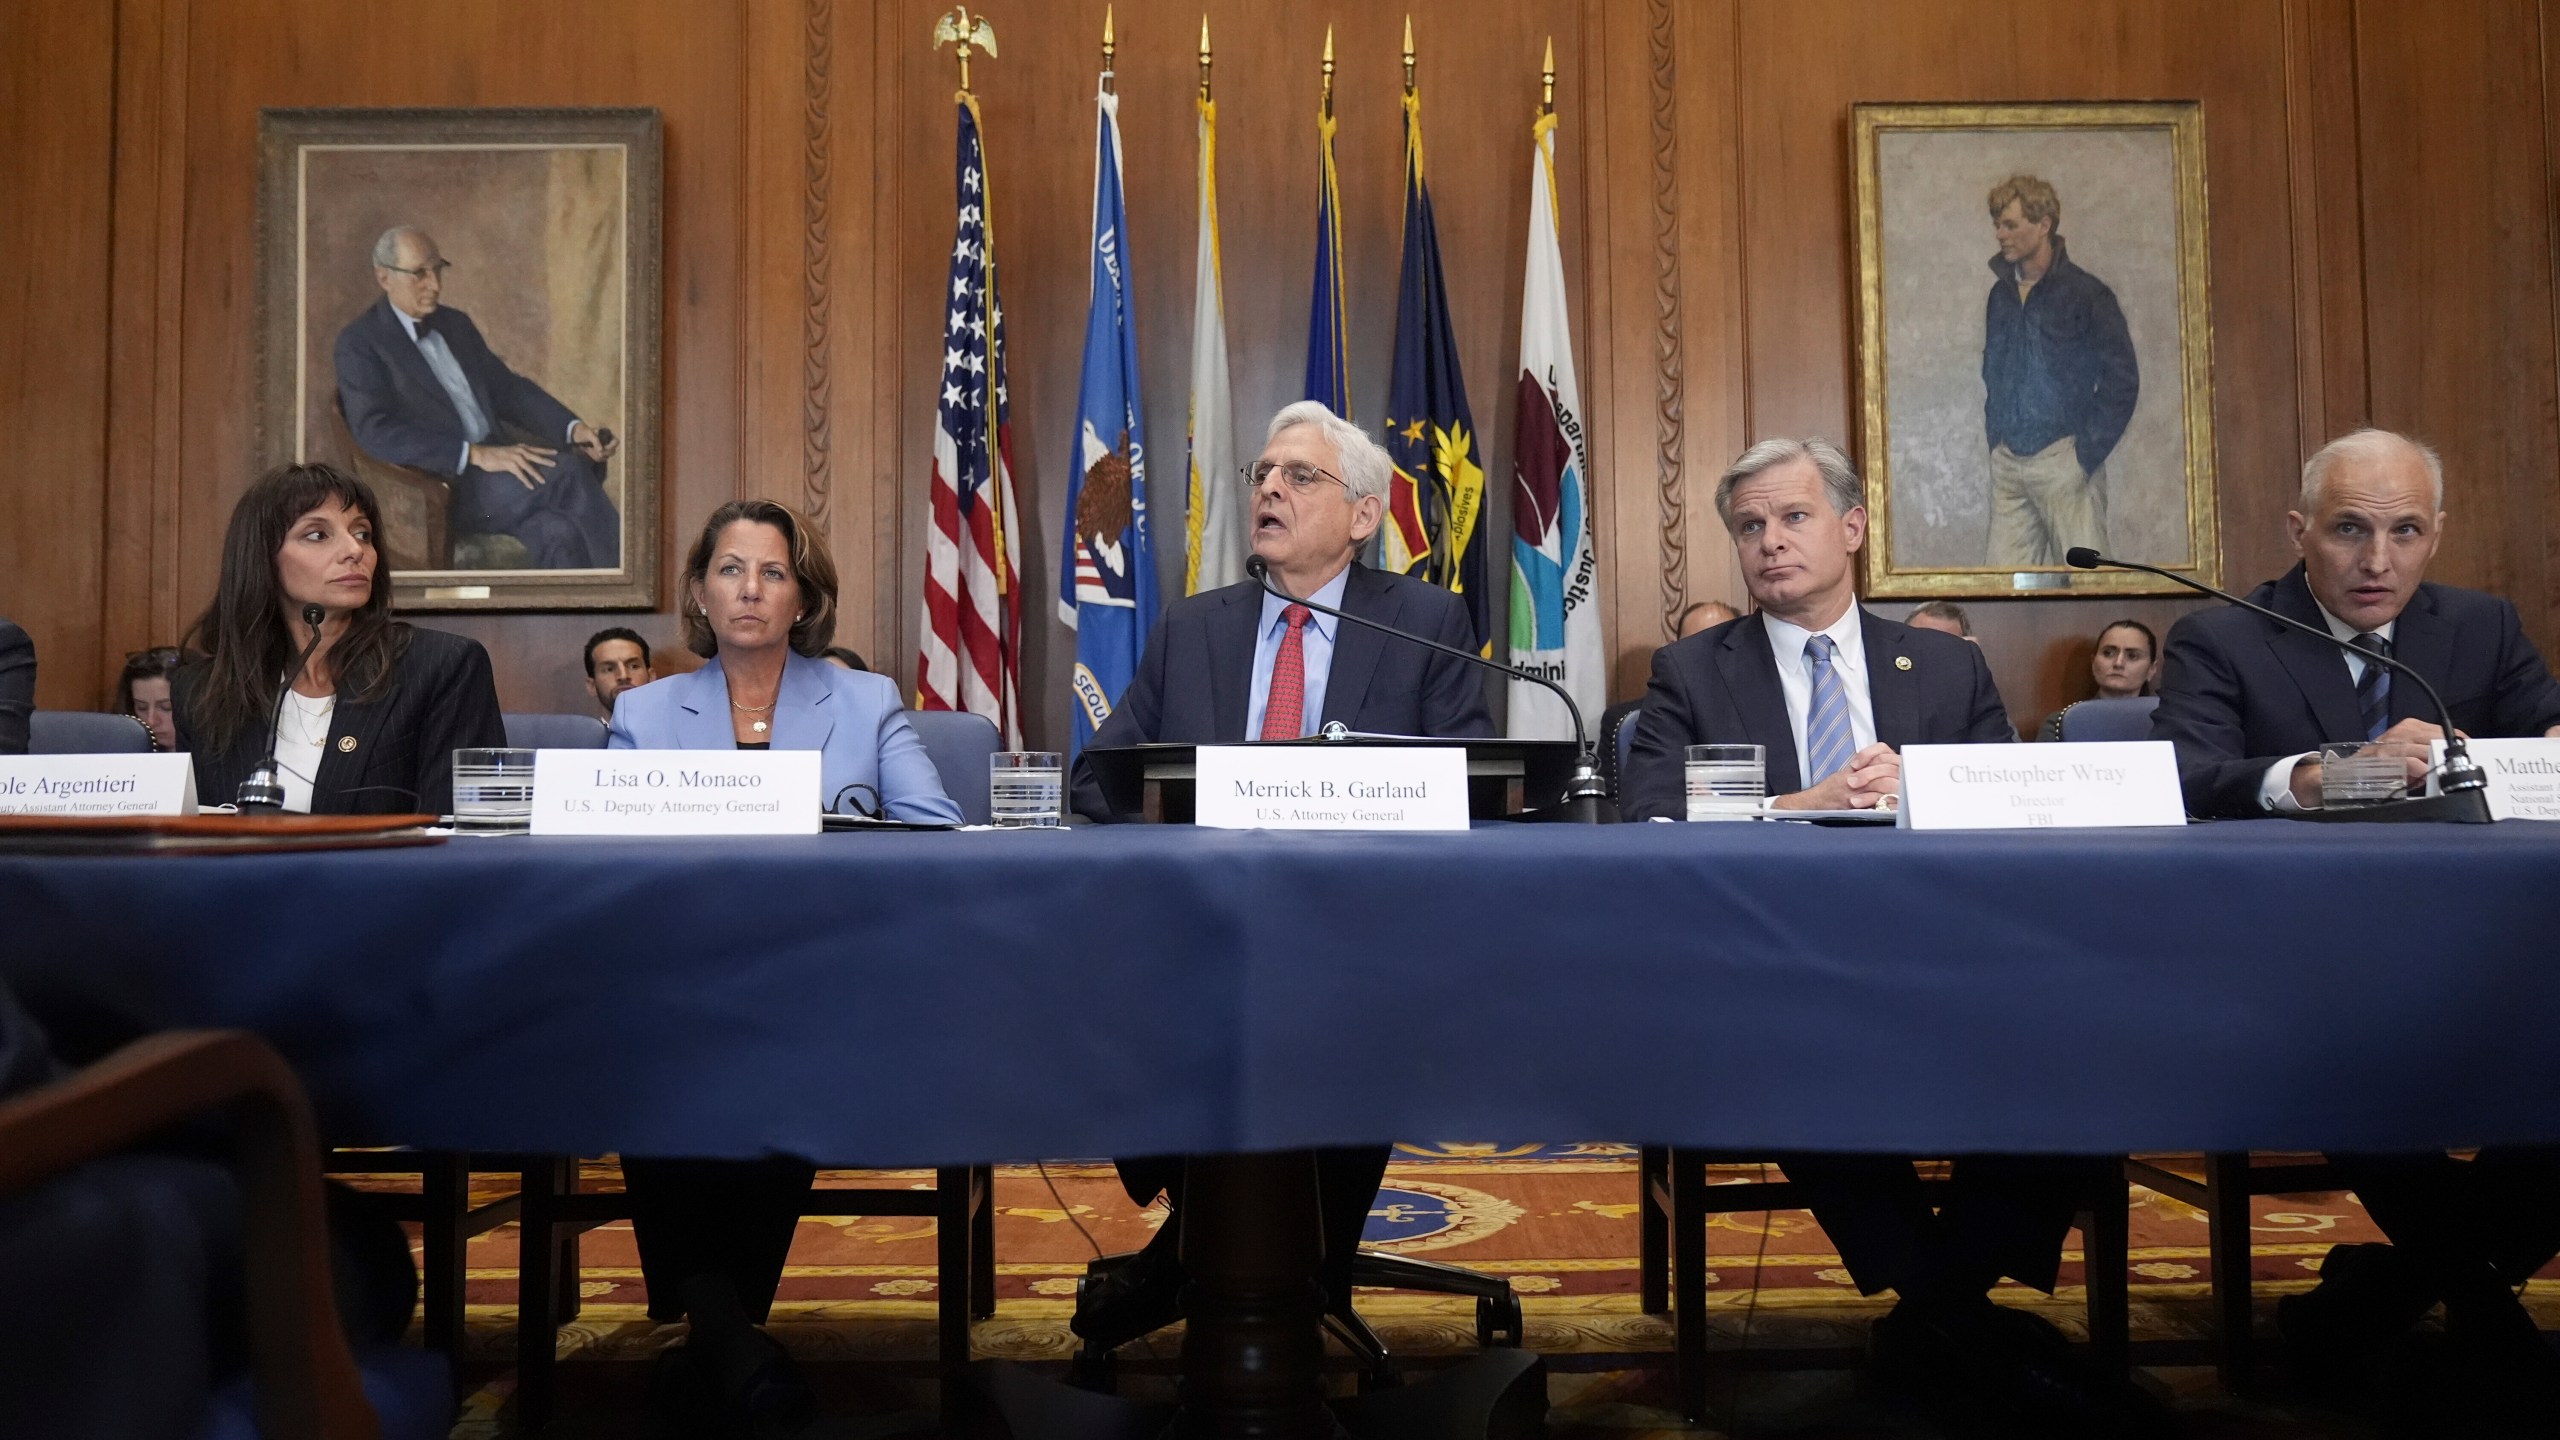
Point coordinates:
[(2148, 638), (152, 664), (247, 643)]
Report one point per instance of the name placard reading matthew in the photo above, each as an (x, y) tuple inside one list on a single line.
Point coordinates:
[(675, 792), (2034, 787), (1332, 787), (98, 785), (2524, 777)]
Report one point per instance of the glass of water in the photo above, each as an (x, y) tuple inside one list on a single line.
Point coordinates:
[(2352, 775), (492, 792), (1726, 782), (1024, 788)]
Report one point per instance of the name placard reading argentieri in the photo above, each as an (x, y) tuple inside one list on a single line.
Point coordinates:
[(1332, 787), (675, 792), (98, 785)]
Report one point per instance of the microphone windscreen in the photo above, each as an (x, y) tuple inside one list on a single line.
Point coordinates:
[(1255, 566), (2081, 557), (312, 615)]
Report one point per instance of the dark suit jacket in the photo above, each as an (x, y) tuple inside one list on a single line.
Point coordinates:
[(1195, 681), (400, 412), (2239, 692), (1720, 686), (441, 699), (17, 687)]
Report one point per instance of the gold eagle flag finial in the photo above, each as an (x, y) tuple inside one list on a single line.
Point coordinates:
[(957, 28)]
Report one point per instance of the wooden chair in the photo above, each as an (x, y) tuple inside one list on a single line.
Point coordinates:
[(1676, 1200), (307, 1383), (2222, 1187), (417, 505)]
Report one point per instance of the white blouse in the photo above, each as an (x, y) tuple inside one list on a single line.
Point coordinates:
[(302, 736)]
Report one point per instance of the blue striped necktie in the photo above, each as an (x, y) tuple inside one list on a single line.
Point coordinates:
[(1827, 741), (2373, 689)]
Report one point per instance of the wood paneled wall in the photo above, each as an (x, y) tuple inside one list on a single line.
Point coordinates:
[(2383, 247)]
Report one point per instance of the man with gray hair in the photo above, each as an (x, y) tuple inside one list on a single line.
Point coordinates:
[(421, 388), (1238, 664)]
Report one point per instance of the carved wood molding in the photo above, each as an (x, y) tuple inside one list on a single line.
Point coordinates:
[(1671, 498), (816, 172)]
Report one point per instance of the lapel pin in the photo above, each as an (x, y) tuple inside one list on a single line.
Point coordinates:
[(1901, 662), (346, 744)]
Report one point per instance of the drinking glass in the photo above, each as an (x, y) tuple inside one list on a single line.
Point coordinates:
[(1726, 782), (492, 792), (1024, 788), (2352, 775)]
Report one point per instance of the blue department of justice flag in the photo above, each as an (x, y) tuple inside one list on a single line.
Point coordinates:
[(1107, 580), (1434, 527)]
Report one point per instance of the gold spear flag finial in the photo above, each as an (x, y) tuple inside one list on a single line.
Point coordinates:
[(1547, 82), (1408, 54), (1110, 81), (958, 28), (1204, 54), (1328, 72)]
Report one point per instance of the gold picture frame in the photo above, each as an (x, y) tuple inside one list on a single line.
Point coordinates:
[(1944, 361)]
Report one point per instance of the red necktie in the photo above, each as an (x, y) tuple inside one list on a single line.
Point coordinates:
[(1288, 697)]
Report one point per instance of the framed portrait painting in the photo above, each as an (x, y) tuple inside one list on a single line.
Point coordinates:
[(461, 307), (2035, 346)]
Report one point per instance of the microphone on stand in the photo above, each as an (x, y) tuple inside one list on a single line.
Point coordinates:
[(264, 789), (2466, 790), (1586, 800)]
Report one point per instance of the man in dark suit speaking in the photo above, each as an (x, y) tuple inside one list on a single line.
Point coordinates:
[(1235, 664), (421, 388), (2249, 703), (1829, 690)]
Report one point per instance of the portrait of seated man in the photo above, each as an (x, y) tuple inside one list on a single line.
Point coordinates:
[(421, 388)]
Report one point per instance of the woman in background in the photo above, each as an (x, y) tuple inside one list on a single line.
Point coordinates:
[(2125, 664), (142, 692), (371, 722)]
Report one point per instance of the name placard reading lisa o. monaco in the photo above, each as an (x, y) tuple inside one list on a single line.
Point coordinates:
[(98, 785), (675, 792), (2034, 787), (1332, 787)]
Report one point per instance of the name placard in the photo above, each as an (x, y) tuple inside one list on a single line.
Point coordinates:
[(1332, 787), (675, 792), (2035, 787), (2524, 776), (98, 785)]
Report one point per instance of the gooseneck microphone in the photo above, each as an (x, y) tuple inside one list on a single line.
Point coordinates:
[(2465, 796), (264, 789), (1586, 800)]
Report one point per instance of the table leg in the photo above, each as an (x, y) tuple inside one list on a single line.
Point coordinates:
[(1251, 1349)]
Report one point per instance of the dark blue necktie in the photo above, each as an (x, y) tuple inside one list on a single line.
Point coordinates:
[(2373, 691)]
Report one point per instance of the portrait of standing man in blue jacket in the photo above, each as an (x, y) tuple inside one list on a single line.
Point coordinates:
[(2060, 383)]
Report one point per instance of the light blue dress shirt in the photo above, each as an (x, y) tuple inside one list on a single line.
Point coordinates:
[(1315, 645)]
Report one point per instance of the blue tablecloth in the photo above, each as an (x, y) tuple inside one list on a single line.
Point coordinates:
[(913, 998)]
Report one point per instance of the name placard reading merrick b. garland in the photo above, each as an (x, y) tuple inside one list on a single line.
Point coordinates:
[(675, 792), (1332, 787)]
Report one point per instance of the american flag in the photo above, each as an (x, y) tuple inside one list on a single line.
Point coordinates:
[(972, 656)]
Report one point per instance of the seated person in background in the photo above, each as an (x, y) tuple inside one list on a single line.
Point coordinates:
[(142, 691), (1944, 616), (2248, 703), (617, 660), (17, 687), (1829, 689), (1706, 615), (759, 604), (844, 657), (371, 724), (1235, 664), (2122, 667)]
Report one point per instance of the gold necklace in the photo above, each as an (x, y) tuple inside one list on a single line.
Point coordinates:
[(759, 726)]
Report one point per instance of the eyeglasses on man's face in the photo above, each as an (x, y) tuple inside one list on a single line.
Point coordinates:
[(434, 271), (1301, 476)]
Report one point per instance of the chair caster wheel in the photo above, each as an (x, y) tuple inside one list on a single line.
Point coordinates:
[(1498, 1320)]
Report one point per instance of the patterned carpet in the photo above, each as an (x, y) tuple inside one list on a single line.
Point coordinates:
[(1558, 1220)]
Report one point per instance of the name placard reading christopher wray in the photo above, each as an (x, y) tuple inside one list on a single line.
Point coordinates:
[(2034, 787), (1332, 787), (97, 785), (675, 792)]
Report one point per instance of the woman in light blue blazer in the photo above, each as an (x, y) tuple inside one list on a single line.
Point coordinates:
[(760, 602)]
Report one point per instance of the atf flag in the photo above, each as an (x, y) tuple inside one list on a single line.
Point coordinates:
[(1107, 579), (1328, 362), (1555, 620), (1435, 502)]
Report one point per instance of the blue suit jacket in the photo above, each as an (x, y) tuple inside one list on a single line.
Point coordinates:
[(1720, 686), (856, 720), (1195, 682), (400, 412), (2239, 692)]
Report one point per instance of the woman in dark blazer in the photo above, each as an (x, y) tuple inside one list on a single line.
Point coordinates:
[(371, 724)]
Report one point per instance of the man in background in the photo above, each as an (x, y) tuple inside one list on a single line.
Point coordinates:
[(422, 389), (1944, 616), (617, 660), (2059, 382)]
